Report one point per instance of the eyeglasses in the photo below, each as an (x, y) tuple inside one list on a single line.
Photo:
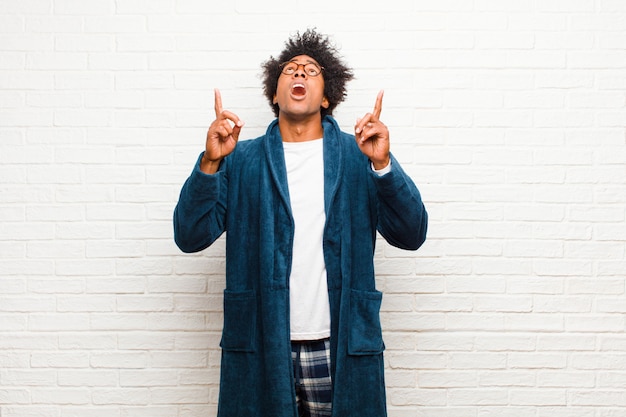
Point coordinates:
[(311, 69)]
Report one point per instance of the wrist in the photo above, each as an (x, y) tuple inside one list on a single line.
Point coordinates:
[(209, 166), (381, 164)]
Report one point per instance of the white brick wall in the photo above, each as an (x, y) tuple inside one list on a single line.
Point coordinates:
[(510, 115)]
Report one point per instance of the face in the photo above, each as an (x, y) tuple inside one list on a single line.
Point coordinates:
[(300, 94)]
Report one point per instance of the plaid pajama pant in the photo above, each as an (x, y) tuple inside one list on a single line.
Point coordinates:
[(311, 367)]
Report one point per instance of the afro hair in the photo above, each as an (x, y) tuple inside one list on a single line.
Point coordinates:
[(336, 74)]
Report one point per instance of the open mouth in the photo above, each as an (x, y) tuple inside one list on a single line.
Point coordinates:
[(298, 90)]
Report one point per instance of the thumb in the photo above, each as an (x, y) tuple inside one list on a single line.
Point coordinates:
[(237, 129)]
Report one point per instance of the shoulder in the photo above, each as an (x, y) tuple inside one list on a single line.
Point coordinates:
[(332, 129), (248, 147)]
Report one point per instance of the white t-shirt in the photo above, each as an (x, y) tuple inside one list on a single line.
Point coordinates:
[(308, 288)]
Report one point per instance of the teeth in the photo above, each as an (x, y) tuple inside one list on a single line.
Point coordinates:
[(298, 85)]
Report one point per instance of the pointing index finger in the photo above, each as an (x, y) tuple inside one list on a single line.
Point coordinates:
[(378, 107), (218, 103)]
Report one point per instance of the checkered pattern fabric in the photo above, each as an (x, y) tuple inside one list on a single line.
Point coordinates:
[(311, 366)]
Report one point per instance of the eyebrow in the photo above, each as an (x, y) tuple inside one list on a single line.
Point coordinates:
[(308, 61)]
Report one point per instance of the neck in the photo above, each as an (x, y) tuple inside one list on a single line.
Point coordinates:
[(301, 130)]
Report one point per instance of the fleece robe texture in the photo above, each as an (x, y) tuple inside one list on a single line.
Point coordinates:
[(248, 198)]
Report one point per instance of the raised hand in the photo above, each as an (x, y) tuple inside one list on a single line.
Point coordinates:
[(372, 136), (221, 138)]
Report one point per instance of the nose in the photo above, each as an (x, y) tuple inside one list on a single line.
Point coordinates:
[(300, 71)]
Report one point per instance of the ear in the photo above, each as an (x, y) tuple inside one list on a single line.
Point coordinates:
[(325, 103), (274, 100)]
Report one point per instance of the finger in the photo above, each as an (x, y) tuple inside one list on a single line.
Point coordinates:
[(218, 103), (236, 131), (223, 131), (369, 132), (225, 114), (378, 107), (361, 123)]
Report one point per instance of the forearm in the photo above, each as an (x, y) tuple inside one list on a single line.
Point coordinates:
[(402, 216), (199, 216)]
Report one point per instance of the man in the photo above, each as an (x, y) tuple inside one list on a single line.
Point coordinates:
[(300, 206)]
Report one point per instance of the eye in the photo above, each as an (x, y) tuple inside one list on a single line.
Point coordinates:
[(289, 68)]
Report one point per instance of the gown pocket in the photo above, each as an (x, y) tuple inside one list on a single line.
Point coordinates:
[(240, 312), (365, 333)]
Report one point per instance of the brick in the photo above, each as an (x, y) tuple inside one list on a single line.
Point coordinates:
[(153, 411), (127, 396), (412, 321), (12, 24), (118, 322), (555, 342), (87, 378), (595, 361), (31, 267), (82, 194), (115, 24), (111, 285), (114, 249), (15, 396), (55, 286), (537, 361), (144, 303), (184, 322), (56, 61), (51, 135), (189, 395), (557, 379), (14, 360), (77, 411), (534, 322), (552, 304), (91, 7), (426, 397), (599, 398), (143, 80), (442, 303), (27, 304), (148, 378), (455, 379), (115, 100), (194, 359), (482, 397), (31, 411), (59, 360), (85, 303), (117, 62), (12, 322), (27, 42), (146, 341), (87, 341), (119, 360), (84, 43), (84, 267), (506, 378), (59, 321), (14, 61), (204, 377), (539, 398), (446, 342), (595, 324), (113, 212), (31, 378), (26, 80)]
